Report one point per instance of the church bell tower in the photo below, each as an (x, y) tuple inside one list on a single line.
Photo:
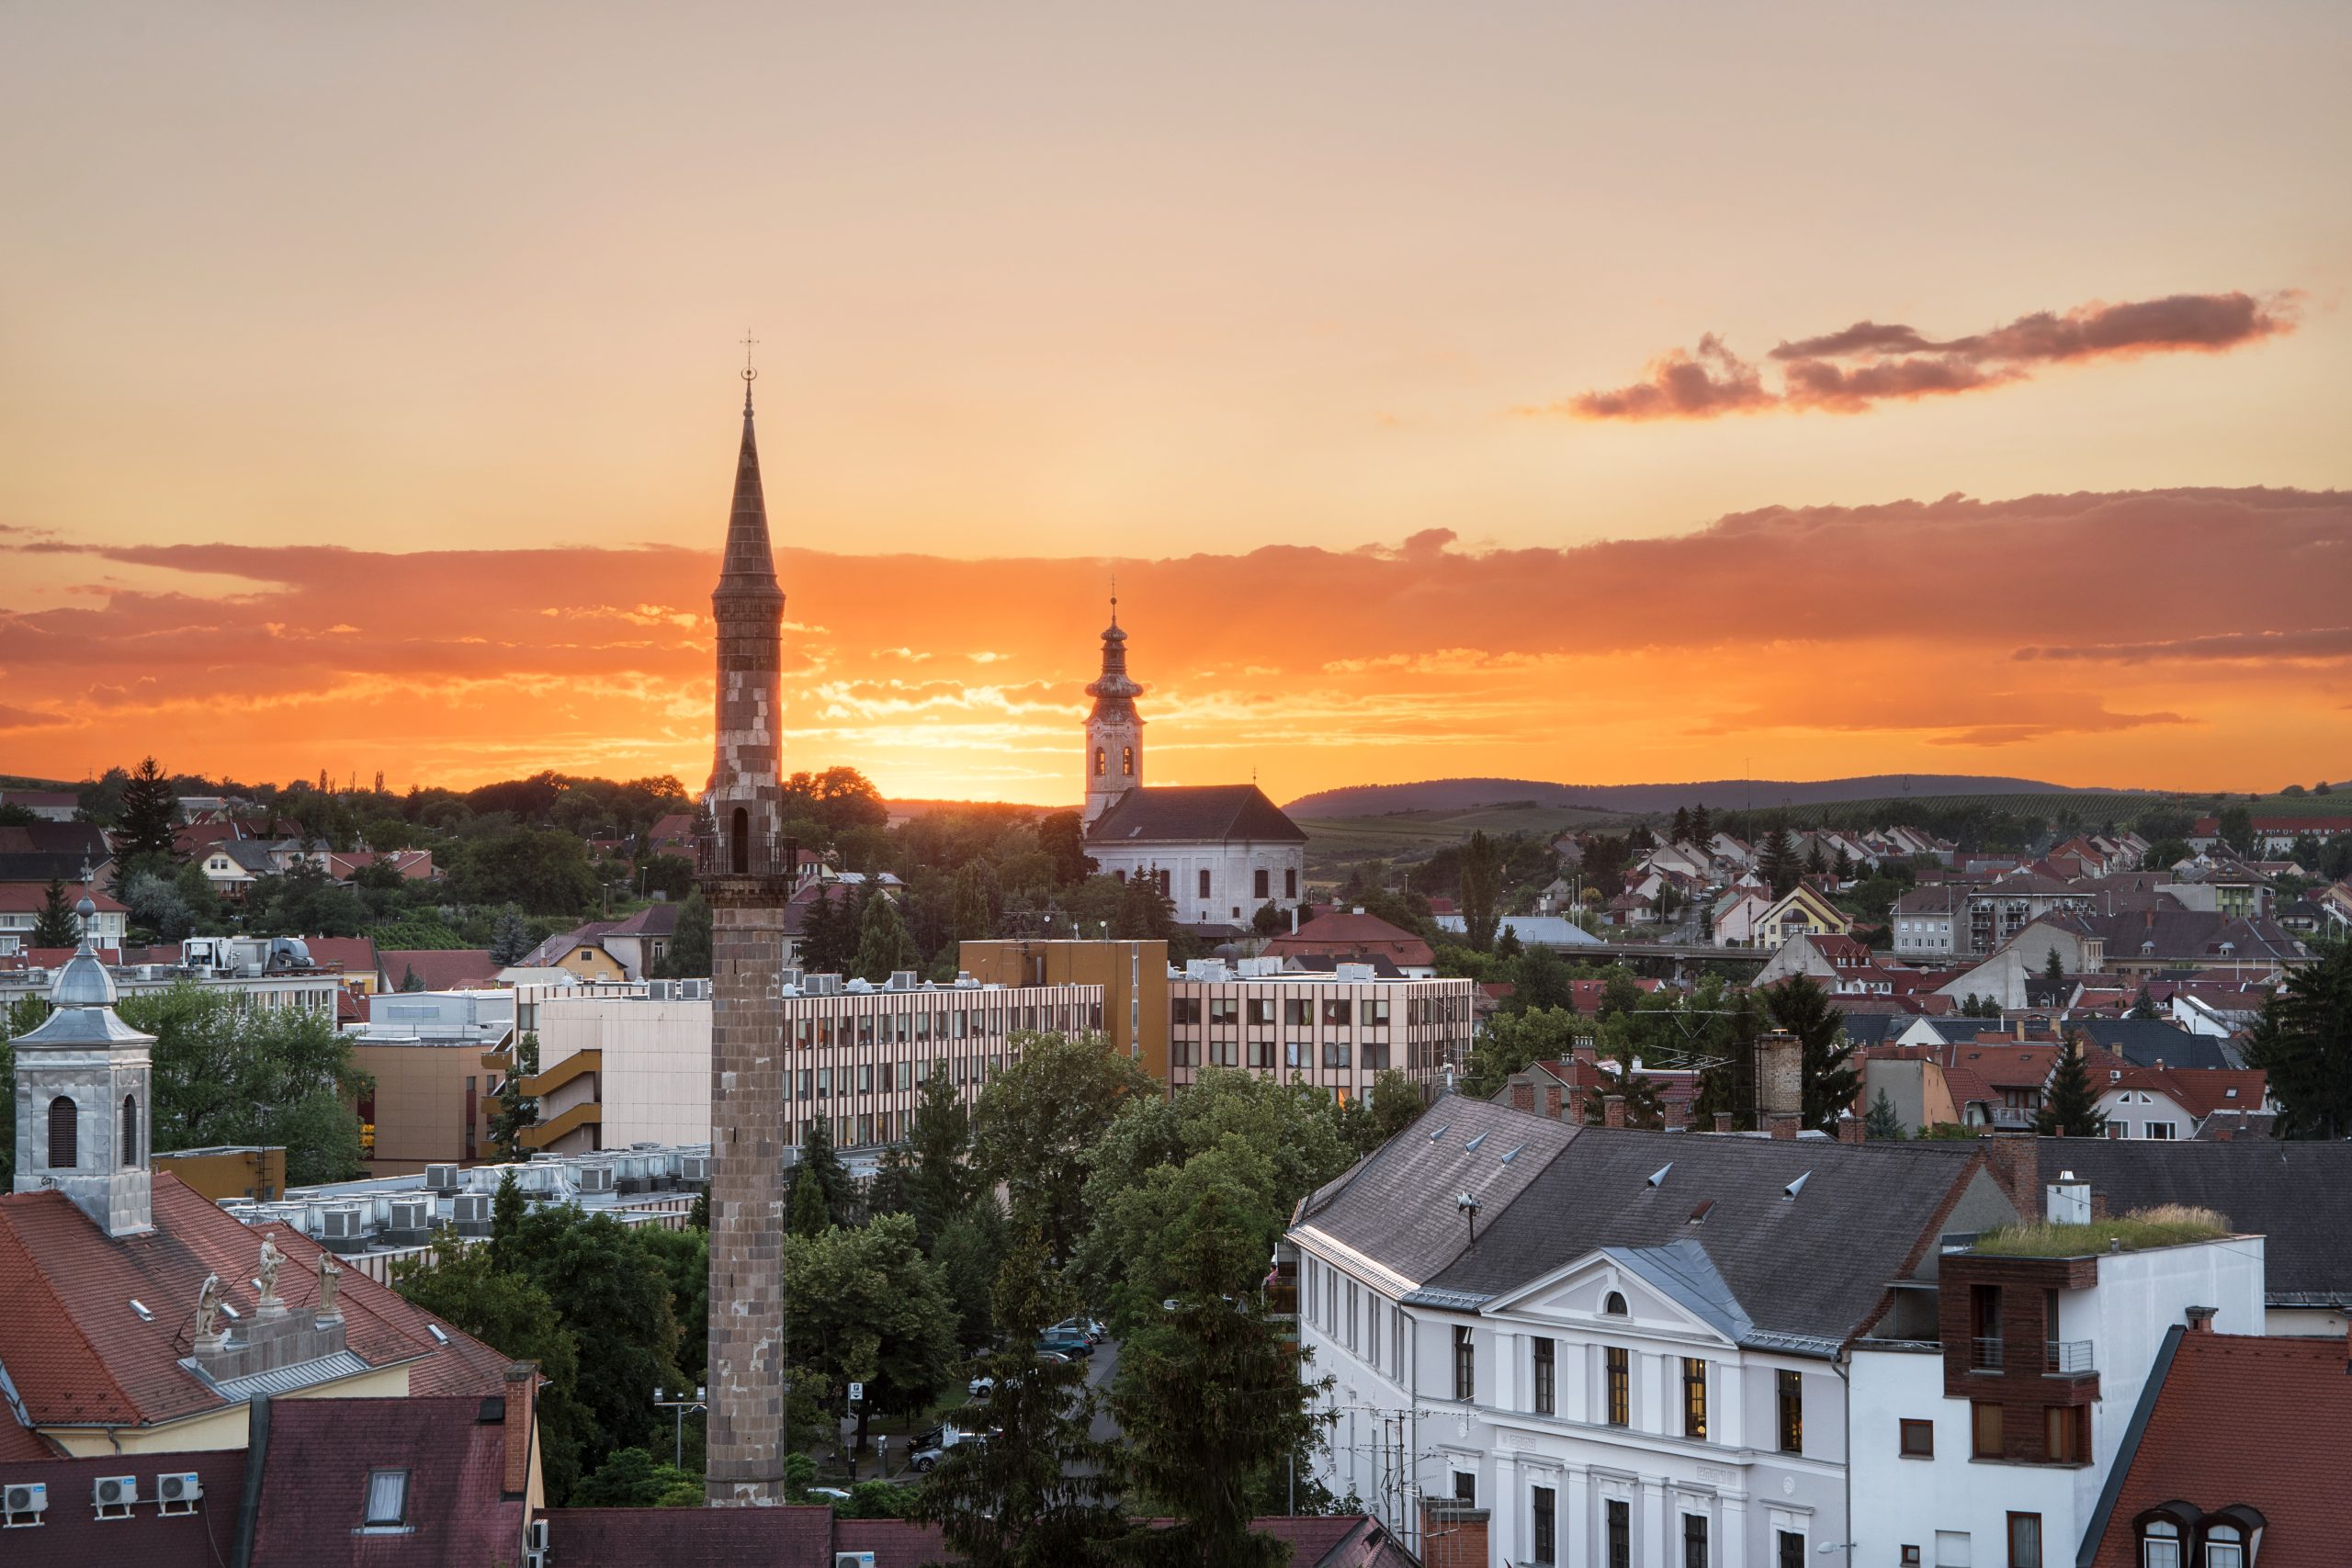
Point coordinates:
[(83, 1099), (1113, 729)]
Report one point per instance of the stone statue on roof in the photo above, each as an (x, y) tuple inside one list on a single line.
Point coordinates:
[(207, 1307), (330, 1276), (265, 1267)]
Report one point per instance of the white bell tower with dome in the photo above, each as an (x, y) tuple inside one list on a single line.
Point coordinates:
[(1114, 729), (84, 1099)]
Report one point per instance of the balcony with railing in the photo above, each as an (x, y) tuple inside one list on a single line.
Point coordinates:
[(1985, 1356), (746, 854), (2067, 1358)]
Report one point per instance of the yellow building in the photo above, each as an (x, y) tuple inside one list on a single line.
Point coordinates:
[(1803, 909), (1133, 974)]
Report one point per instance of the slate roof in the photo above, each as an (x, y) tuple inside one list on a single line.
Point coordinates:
[(2208, 1433), (79, 1355), (71, 1535), (2293, 1194), (1195, 814), (1876, 1207), (314, 1480), (2145, 1042), (654, 919)]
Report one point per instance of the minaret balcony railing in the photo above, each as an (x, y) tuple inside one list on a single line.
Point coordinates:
[(754, 854)]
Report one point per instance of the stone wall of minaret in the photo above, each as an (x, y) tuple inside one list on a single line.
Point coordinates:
[(1113, 729), (745, 875)]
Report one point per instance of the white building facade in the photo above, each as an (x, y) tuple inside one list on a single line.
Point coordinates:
[(1338, 1030)]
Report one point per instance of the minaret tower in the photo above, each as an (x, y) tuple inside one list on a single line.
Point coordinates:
[(83, 1099), (745, 872), (1114, 731)]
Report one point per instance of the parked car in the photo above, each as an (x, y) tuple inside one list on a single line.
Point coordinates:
[(1087, 1328), (928, 1448), (982, 1388), (1075, 1345)]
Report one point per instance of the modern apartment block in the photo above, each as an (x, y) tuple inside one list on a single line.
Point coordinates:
[(1339, 1029)]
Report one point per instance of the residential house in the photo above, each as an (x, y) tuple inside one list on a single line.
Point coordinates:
[(49, 805), (641, 942), (66, 851), (581, 953), (1736, 916), (1610, 1340), (1929, 922), (22, 902), (2273, 835), (2176, 1102), (1803, 909)]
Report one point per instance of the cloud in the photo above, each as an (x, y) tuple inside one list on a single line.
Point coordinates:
[(1869, 363), (1835, 639)]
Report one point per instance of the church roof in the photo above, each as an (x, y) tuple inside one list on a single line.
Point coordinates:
[(1195, 814)]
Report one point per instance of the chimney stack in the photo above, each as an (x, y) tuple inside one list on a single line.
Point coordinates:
[(1612, 1110), (1781, 1124), (1780, 1073), (1849, 1129), (1552, 1099), (2200, 1319), (522, 1429), (1677, 1116), (1723, 1120), (1522, 1096), (2014, 1159)]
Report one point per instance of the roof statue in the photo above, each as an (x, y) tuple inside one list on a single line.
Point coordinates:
[(265, 1267), (330, 1276), (207, 1309)]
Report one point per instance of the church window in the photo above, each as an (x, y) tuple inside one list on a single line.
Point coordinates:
[(1262, 884), (1126, 761), (130, 1130), (64, 1134), (1290, 883), (1101, 760), (1204, 883)]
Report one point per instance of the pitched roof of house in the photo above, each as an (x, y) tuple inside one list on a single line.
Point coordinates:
[(554, 948), (441, 969), (352, 955), (654, 919), (2191, 936), (1344, 934), (2200, 1093), (2293, 1194), (1195, 814), (79, 1353), (31, 898), (315, 1475), (1877, 1206), (2206, 1434), (2004, 1066)]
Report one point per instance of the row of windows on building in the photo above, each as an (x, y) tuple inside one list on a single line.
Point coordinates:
[(1375, 1054), (1262, 882), (1357, 1322), (1617, 1534), (890, 1077), (900, 1028), (65, 1133)]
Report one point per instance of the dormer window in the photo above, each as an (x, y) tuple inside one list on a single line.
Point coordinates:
[(385, 1509), (1613, 1305), (2225, 1547)]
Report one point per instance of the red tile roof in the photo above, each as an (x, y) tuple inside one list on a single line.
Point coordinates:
[(2212, 1439), (79, 1354), (315, 1472), (808, 1537), (2200, 1092), (1348, 935), (20, 897)]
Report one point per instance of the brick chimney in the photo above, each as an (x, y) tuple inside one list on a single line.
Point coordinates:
[(1677, 1116), (1453, 1536), (522, 1430), (2200, 1319), (2015, 1161), (1781, 1124), (1849, 1129), (1780, 1073), (1584, 1051), (1522, 1096), (1612, 1110), (1552, 1099)]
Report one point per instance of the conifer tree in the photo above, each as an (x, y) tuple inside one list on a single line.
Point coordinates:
[(883, 944), (939, 1185), (809, 1216), (510, 940), (147, 823), (2070, 1109), (56, 925), (1777, 862), (1801, 1006), (1482, 871), (818, 1160), (689, 955), (1881, 1124)]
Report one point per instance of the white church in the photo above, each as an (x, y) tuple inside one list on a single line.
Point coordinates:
[(1219, 852)]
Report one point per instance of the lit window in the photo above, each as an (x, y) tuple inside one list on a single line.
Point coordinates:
[(387, 1506), (1618, 1364), (1791, 1390)]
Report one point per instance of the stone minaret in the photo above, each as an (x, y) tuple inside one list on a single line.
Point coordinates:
[(745, 878), (1114, 731), (83, 1099)]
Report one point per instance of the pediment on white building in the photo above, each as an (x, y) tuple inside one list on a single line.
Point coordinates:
[(1674, 1290)]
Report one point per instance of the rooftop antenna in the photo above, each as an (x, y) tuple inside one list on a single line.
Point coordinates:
[(750, 372), (1468, 1204)]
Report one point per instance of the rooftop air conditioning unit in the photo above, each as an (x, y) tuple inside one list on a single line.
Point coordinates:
[(178, 1494), (658, 990), (406, 1221), (694, 1170), (24, 1502), (441, 1179), (694, 990), (853, 1560), (344, 1228), (471, 1212), (114, 1495), (596, 1178), (534, 1534)]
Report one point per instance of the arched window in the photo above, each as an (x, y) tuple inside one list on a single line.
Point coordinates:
[(1126, 761), (2225, 1547), (738, 847), (64, 1134), (1101, 760), (1613, 1304), (2159, 1544), (129, 1130)]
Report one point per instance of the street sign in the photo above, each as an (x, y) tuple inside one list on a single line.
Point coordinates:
[(857, 1394)]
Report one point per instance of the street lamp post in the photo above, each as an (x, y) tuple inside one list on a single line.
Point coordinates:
[(679, 1404)]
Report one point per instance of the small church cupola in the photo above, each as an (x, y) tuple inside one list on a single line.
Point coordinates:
[(1113, 729), (83, 1096), (745, 796)]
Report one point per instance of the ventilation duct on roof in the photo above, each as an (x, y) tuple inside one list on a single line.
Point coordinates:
[(1442, 1132), (1793, 1188), (1511, 1153), (1657, 1177), (1473, 1143)]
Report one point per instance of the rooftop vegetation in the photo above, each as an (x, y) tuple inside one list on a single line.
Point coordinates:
[(2169, 1225)]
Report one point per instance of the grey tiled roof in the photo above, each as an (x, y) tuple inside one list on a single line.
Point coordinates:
[(1810, 1269), (2295, 1194), (1195, 814), (2145, 1042)]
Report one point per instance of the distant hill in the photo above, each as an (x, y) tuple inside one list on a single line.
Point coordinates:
[(1716, 795)]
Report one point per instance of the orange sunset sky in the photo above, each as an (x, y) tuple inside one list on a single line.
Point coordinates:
[(1586, 393)]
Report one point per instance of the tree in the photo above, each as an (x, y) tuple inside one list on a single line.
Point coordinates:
[(513, 1112), (1777, 860), (56, 925), (1209, 1394), (2144, 1006), (820, 1164), (1145, 913), (2071, 1108), (226, 1074), (1269, 920), (967, 1251), (688, 954), (1481, 891), (863, 1305), (1541, 979), (1882, 1124), (614, 1298), (1681, 832), (20, 1017), (510, 940), (1514, 1041), (466, 1289), (1799, 1006), (633, 1478), (2052, 966), (2303, 1040), (1043, 1491), (1062, 837), (1703, 831), (829, 933), (157, 907), (2236, 829), (544, 869), (1394, 1104), (939, 1185), (883, 944), (146, 827), (808, 1217), (1037, 1119)]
